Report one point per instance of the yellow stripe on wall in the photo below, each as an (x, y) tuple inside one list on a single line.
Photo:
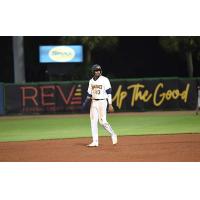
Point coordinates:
[(77, 94)]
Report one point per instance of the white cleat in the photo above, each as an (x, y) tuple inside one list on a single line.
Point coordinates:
[(114, 139), (93, 144)]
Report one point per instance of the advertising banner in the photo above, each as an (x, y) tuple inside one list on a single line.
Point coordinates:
[(61, 54), (145, 95), (45, 98), (128, 96)]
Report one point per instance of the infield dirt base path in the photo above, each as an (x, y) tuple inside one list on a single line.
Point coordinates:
[(180, 147)]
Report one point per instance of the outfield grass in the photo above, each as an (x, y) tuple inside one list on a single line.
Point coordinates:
[(41, 127)]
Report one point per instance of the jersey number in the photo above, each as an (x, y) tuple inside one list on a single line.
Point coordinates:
[(97, 91)]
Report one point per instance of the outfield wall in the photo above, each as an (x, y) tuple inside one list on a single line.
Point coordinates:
[(1, 99), (128, 96)]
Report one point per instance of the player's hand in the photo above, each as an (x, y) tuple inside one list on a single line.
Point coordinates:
[(110, 108)]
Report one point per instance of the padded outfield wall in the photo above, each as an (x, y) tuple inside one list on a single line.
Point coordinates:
[(128, 96)]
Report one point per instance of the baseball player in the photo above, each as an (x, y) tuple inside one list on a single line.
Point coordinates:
[(99, 92)]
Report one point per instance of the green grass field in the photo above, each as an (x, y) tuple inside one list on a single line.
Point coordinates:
[(54, 127)]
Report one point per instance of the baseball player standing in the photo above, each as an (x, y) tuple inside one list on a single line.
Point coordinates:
[(99, 92)]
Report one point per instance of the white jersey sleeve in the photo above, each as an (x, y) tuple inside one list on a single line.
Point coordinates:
[(107, 84)]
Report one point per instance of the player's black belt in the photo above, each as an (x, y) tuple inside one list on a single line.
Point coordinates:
[(98, 99)]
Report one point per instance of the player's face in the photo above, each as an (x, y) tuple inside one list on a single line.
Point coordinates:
[(97, 73)]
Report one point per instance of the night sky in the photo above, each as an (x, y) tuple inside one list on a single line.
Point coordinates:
[(134, 57)]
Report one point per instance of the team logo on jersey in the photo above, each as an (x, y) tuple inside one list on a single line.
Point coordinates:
[(96, 86)]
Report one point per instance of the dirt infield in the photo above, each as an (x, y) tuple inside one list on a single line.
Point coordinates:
[(181, 147)]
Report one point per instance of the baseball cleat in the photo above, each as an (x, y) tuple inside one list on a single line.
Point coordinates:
[(114, 139), (93, 144)]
